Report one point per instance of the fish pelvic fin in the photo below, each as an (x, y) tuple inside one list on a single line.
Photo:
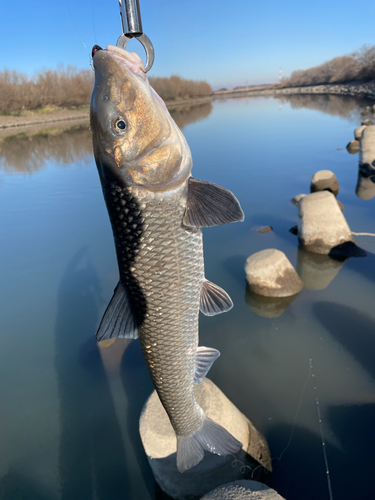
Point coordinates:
[(118, 320), (210, 205), (206, 356), (211, 437), (214, 300)]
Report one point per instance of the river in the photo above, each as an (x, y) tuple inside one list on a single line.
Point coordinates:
[(70, 408)]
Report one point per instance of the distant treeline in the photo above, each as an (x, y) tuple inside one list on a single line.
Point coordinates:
[(176, 87), (359, 65), (69, 88), (65, 88)]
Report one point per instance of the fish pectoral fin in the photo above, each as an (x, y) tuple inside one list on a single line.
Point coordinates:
[(118, 320), (214, 300), (210, 205), (204, 360), (211, 437)]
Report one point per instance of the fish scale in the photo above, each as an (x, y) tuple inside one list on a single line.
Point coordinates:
[(161, 265)]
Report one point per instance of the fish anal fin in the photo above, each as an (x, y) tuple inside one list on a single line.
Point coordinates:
[(214, 300), (204, 360), (211, 437), (118, 320), (210, 205)]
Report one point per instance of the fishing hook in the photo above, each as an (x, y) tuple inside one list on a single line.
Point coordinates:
[(132, 28)]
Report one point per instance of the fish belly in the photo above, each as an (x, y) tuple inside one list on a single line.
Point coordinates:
[(161, 266)]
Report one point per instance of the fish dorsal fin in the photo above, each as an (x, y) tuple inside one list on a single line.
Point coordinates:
[(210, 205), (118, 319), (214, 300), (203, 362)]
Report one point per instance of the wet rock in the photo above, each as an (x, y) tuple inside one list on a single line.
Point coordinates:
[(341, 205), (294, 230), (322, 225), (243, 490), (324, 180), (265, 229), (159, 442), (353, 147), (316, 270), (267, 307), (358, 132), (367, 149), (366, 111), (367, 122), (297, 199), (270, 273), (365, 188)]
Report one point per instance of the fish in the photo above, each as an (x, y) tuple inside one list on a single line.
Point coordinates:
[(157, 211)]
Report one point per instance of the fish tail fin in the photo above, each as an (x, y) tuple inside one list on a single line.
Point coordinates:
[(211, 437)]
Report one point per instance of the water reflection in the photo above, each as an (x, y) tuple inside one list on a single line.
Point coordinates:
[(16, 486), (267, 307), (334, 105), (30, 153), (190, 114), (316, 270), (352, 328), (365, 188), (91, 459)]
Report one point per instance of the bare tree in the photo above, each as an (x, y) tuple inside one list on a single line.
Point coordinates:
[(359, 65)]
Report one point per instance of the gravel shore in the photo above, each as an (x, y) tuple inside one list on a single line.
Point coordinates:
[(360, 89)]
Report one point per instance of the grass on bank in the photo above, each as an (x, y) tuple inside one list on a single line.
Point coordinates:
[(71, 88)]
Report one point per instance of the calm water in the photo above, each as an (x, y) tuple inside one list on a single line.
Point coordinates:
[(69, 409)]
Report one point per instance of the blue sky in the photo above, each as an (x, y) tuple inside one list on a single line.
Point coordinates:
[(227, 43)]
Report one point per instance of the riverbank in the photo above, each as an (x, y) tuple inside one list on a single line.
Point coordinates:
[(14, 124), (29, 121), (359, 89)]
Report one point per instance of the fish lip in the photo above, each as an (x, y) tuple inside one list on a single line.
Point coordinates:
[(128, 60)]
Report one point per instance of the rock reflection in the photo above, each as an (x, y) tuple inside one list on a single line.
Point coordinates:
[(190, 114), (267, 307), (92, 461), (317, 270), (334, 105), (365, 188), (30, 153)]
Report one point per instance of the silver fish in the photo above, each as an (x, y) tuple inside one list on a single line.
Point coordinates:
[(157, 211)]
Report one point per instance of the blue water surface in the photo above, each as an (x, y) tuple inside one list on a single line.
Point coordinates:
[(70, 409)]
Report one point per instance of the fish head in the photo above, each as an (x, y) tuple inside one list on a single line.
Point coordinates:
[(134, 136)]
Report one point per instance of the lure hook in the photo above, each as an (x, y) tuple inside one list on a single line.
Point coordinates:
[(130, 14)]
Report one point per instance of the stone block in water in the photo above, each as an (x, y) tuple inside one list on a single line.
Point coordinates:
[(159, 442), (270, 273), (367, 149), (322, 225), (243, 490), (324, 180)]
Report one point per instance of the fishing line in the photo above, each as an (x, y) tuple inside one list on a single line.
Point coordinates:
[(244, 467), (75, 26), (321, 432), (296, 415)]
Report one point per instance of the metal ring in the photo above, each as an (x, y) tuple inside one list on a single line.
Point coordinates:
[(145, 41)]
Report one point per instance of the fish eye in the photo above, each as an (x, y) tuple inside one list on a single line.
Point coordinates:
[(119, 125)]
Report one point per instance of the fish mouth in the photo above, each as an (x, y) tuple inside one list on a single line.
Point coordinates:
[(130, 60)]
